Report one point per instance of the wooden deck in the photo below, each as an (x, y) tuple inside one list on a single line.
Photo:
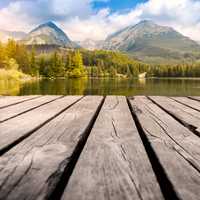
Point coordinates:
[(99, 148)]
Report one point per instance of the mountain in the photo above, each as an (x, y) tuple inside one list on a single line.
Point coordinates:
[(90, 44), (151, 43), (16, 35), (48, 34)]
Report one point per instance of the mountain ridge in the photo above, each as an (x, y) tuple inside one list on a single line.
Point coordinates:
[(147, 39), (48, 34)]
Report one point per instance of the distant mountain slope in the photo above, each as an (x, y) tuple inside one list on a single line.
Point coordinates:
[(147, 41), (48, 34), (90, 44), (16, 35)]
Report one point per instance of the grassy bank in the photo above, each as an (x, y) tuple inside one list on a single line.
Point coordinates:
[(13, 75)]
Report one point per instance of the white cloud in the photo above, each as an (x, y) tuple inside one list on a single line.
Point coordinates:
[(183, 15), (80, 21)]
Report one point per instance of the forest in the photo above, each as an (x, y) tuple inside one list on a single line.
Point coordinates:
[(22, 60)]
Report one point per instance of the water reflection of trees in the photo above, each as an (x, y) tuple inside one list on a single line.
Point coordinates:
[(56, 87), (9, 87), (103, 86)]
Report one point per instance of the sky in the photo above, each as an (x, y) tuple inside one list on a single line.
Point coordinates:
[(96, 19), (117, 5)]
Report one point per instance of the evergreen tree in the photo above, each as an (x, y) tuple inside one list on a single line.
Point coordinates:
[(113, 72), (22, 58), (11, 48), (128, 72), (33, 64), (77, 68), (2, 55)]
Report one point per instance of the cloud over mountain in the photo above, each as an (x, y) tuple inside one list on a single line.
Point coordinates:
[(81, 20)]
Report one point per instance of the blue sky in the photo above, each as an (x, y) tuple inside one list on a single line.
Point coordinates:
[(117, 5), (3, 3), (96, 19), (114, 5)]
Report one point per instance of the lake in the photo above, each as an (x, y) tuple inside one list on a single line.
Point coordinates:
[(92, 86)]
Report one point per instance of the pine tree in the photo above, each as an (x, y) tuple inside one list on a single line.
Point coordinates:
[(22, 57), (33, 64), (68, 62), (78, 60), (128, 72), (113, 72), (42, 65), (2, 55), (77, 68), (11, 48)]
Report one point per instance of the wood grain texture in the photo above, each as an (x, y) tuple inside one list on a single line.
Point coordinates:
[(15, 129), (32, 169), (188, 116), (6, 101), (177, 149), (188, 102), (189, 142), (114, 164), (16, 110), (195, 98)]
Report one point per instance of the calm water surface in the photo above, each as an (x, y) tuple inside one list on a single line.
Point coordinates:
[(167, 87)]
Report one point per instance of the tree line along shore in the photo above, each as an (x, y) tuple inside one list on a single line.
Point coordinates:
[(18, 61)]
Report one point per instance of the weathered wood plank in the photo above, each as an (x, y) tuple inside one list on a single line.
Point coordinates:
[(174, 145), (15, 110), (114, 164), (188, 141), (195, 98), (17, 128), (13, 100), (188, 102), (188, 116), (32, 169)]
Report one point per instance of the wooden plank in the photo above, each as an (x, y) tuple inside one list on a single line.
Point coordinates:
[(13, 100), (188, 141), (17, 128), (195, 98), (15, 110), (188, 116), (174, 145), (188, 102), (114, 164), (32, 169)]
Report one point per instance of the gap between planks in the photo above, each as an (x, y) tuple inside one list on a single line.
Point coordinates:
[(23, 171), (107, 167), (30, 160), (7, 101), (17, 129), (176, 148)]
